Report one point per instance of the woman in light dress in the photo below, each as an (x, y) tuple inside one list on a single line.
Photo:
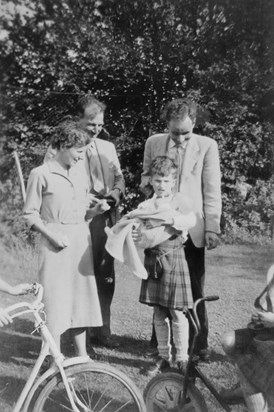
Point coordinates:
[(57, 207)]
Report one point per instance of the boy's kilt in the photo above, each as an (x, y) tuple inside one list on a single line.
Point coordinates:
[(173, 289)]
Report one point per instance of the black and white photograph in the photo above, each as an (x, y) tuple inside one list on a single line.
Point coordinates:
[(137, 206)]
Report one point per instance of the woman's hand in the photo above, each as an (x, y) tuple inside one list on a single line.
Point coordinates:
[(100, 207), (21, 289), (91, 200), (266, 318), (58, 240), (5, 319)]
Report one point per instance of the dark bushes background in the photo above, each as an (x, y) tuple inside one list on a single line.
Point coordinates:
[(135, 56)]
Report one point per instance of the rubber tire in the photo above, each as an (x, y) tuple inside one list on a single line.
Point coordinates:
[(174, 380), (98, 368)]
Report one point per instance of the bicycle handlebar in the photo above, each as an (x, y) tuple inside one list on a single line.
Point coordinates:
[(36, 290), (196, 321), (211, 298)]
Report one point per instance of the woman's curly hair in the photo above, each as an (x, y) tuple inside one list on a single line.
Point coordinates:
[(68, 134)]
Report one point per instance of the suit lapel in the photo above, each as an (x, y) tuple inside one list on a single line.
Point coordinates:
[(191, 156), (103, 155), (163, 149)]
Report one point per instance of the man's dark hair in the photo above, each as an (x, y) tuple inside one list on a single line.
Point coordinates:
[(89, 100), (179, 109)]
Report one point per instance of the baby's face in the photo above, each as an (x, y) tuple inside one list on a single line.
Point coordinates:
[(163, 185)]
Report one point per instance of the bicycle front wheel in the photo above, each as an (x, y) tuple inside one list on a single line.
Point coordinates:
[(164, 393), (96, 387)]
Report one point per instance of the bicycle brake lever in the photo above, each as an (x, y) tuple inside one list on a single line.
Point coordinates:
[(35, 288)]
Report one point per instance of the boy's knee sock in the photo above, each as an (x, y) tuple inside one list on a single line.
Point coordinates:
[(255, 401), (162, 329), (270, 402), (180, 339)]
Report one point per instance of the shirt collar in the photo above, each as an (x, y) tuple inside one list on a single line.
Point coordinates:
[(165, 197), (91, 144), (55, 167), (172, 144)]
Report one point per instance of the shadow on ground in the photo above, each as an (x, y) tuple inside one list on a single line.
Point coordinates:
[(17, 342), (10, 388)]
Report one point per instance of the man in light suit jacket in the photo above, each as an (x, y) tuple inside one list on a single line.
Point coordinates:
[(102, 165), (199, 178), (107, 181)]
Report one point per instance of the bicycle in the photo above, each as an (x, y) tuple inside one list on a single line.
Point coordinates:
[(174, 392), (77, 384)]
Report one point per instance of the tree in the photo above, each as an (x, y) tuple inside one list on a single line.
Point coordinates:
[(136, 55)]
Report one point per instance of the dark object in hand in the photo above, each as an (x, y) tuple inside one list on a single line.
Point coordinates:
[(110, 201), (255, 326)]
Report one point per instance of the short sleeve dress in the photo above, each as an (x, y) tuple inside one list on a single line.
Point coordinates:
[(59, 199)]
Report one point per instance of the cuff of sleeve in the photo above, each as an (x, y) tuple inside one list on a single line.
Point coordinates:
[(32, 220), (212, 228)]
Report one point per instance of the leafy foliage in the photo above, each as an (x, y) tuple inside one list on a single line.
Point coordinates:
[(135, 55)]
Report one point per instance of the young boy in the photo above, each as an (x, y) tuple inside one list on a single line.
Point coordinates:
[(168, 286)]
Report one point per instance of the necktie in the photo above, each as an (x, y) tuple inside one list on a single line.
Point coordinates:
[(95, 169), (179, 157), (179, 162)]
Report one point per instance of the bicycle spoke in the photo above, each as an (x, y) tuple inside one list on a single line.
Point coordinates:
[(94, 389), (76, 399), (88, 392), (109, 403), (164, 393), (160, 404), (116, 410), (60, 404)]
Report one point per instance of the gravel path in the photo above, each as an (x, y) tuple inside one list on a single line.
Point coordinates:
[(235, 273)]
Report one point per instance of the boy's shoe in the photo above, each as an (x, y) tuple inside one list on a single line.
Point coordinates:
[(160, 365), (204, 355), (151, 352)]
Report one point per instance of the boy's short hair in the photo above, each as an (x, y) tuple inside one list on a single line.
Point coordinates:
[(163, 166)]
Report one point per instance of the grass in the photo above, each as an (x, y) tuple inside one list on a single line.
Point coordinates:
[(234, 272)]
